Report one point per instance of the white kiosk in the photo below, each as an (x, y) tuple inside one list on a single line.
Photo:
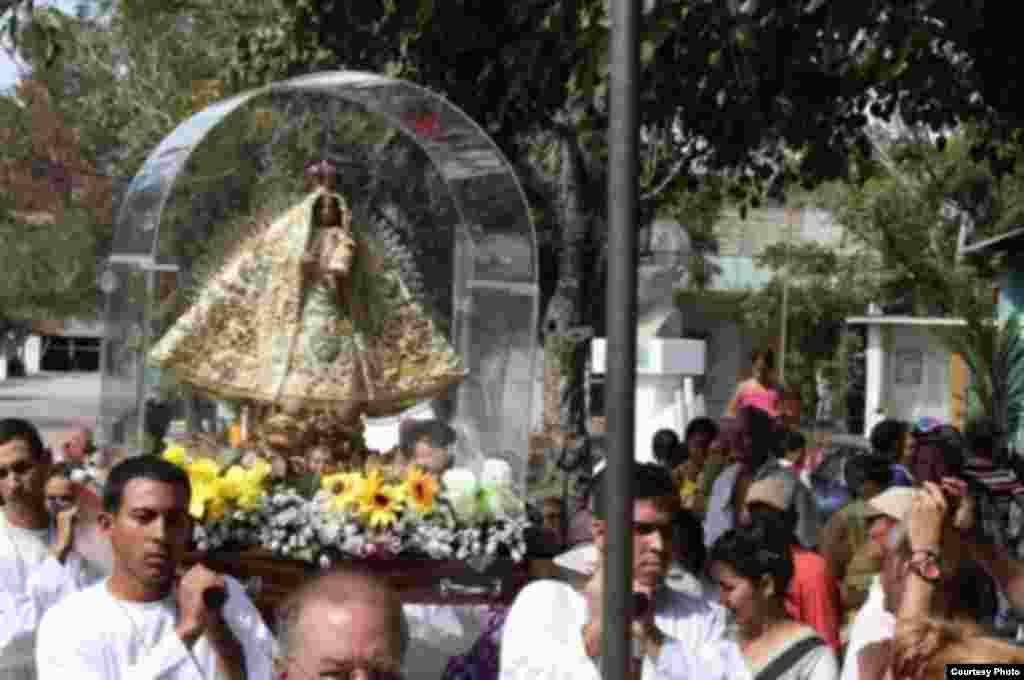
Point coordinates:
[(666, 363), (665, 368), (911, 373)]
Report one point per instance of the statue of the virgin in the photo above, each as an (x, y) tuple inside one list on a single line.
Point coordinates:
[(308, 315)]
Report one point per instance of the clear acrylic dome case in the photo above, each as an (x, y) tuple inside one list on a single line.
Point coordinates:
[(433, 188)]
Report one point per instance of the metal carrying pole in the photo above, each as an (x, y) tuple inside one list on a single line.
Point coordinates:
[(621, 329)]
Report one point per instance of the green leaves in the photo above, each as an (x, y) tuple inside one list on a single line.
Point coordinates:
[(994, 354), (50, 270)]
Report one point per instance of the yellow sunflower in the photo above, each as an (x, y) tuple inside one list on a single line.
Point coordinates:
[(419, 489), (379, 502), (344, 488)]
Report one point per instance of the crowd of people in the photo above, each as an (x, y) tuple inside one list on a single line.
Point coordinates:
[(145, 616), (743, 566), (758, 568), (903, 576)]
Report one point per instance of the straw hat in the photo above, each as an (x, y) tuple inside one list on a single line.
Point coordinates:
[(774, 491), (894, 502)]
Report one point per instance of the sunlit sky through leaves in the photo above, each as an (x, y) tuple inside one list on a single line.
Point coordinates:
[(9, 70)]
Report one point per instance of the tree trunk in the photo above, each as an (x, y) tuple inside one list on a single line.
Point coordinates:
[(566, 310)]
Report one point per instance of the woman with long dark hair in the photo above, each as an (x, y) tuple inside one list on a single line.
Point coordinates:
[(753, 572)]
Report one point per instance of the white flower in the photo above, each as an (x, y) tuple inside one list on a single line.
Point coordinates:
[(460, 488), (330, 532), (467, 508), (354, 544), (459, 481), (496, 474)]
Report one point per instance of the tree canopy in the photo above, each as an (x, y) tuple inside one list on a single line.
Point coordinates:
[(55, 212), (744, 76), (768, 93), (903, 213)]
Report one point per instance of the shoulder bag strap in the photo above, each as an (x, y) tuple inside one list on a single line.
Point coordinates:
[(783, 662)]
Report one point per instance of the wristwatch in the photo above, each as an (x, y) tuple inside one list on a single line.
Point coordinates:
[(926, 564)]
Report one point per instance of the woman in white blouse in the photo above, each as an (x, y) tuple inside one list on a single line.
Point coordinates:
[(753, 575)]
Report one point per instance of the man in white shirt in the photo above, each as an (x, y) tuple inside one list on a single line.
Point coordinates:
[(553, 631), (143, 623), (872, 622), (36, 565), (347, 623), (757, 445)]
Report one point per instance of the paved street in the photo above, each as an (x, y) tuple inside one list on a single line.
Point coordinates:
[(55, 402)]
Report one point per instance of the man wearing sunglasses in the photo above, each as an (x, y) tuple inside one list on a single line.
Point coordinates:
[(554, 632), (35, 571)]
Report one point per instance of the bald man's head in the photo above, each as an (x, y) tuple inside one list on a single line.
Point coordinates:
[(78, 445), (342, 620)]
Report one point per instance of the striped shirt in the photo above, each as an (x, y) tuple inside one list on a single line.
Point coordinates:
[(1000, 481)]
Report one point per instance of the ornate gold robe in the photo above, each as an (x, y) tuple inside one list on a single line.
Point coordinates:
[(310, 316)]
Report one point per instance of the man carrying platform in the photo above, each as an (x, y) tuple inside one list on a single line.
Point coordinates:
[(143, 622)]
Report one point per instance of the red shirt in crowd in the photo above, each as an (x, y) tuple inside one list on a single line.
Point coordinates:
[(813, 596)]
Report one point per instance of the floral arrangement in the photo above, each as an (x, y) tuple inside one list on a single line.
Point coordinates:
[(373, 513), (217, 492)]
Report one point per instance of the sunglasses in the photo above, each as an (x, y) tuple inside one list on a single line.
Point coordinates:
[(20, 469)]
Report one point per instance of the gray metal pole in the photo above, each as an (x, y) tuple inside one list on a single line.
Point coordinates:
[(621, 329)]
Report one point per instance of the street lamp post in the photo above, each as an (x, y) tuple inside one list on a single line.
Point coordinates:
[(621, 318)]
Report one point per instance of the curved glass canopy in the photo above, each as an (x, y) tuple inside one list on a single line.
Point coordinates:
[(429, 183)]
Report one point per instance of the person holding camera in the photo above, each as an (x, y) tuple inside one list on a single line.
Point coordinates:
[(928, 571)]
